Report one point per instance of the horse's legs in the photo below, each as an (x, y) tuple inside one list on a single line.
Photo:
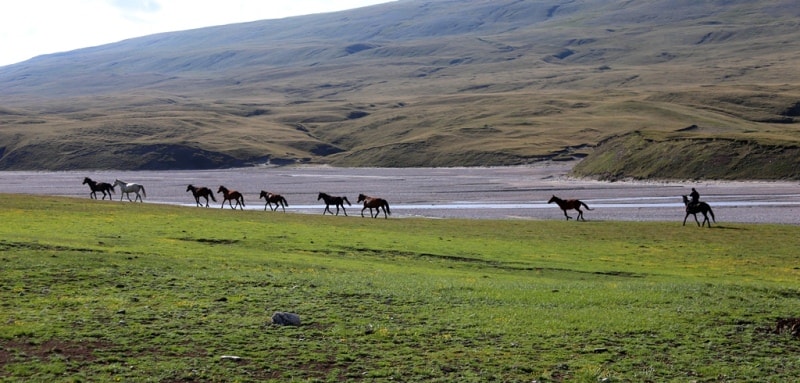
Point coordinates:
[(684, 219), (695, 219), (580, 215), (365, 208), (705, 220), (566, 215), (138, 197)]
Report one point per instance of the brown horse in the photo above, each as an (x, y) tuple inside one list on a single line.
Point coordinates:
[(376, 203), (103, 187), (231, 195), (202, 191), (699, 207), (332, 200), (570, 204), (271, 198)]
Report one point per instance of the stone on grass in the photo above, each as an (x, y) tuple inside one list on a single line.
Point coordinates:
[(286, 319)]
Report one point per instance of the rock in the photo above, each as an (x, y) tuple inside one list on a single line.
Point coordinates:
[(286, 319)]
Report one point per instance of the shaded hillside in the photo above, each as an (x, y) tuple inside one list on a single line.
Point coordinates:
[(410, 83), (691, 156)]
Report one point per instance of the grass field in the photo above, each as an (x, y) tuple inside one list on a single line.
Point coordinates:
[(109, 291)]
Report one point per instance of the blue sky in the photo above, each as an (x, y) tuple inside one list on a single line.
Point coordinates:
[(29, 28)]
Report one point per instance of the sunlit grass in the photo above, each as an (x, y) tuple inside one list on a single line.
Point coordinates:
[(107, 291)]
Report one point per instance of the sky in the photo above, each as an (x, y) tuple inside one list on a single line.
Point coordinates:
[(29, 28)]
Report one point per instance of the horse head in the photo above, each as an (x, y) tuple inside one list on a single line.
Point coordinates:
[(361, 198), (265, 195), (321, 196), (222, 189), (190, 188), (553, 199), (87, 180), (685, 200)]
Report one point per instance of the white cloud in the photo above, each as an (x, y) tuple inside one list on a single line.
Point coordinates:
[(33, 27), (136, 5)]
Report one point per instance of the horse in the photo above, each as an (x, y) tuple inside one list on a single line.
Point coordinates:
[(231, 195), (271, 198), (128, 188), (699, 207), (570, 204), (331, 200), (104, 187), (376, 203), (202, 191)]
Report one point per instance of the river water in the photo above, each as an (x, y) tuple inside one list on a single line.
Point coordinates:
[(518, 192)]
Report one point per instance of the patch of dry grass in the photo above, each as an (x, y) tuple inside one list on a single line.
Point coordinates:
[(526, 82)]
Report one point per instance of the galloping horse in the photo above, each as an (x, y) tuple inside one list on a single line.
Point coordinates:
[(570, 204), (331, 200), (271, 198), (376, 203), (128, 188), (229, 195), (699, 207), (104, 187), (202, 191)]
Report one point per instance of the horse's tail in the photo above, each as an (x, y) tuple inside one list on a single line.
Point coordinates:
[(284, 202), (386, 204), (345, 200), (242, 197), (144, 193), (586, 206), (712, 214), (212, 196)]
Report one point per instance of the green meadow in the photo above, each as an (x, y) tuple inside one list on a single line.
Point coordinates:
[(99, 291)]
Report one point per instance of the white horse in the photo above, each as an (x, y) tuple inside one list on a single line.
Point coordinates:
[(127, 188)]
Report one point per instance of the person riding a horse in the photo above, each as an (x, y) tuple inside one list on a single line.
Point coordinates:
[(695, 197)]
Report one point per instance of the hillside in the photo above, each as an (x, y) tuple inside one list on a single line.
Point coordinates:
[(413, 83)]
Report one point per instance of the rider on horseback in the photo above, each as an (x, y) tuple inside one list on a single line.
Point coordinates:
[(695, 196)]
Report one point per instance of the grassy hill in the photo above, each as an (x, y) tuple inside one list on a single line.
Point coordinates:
[(413, 83)]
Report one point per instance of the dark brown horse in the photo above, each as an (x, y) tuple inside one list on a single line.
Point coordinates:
[(699, 207), (202, 191), (374, 203), (103, 187), (231, 195), (568, 205), (332, 200), (271, 198)]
